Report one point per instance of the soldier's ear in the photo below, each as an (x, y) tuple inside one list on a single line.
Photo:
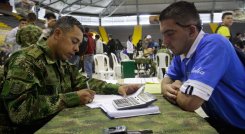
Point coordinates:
[(57, 33)]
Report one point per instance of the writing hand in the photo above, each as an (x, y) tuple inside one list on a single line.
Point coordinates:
[(86, 96)]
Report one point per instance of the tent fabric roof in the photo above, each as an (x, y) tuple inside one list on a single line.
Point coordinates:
[(132, 7)]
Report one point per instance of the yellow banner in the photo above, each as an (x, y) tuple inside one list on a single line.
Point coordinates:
[(137, 34)]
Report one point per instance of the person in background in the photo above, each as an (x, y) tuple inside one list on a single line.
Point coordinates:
[(11, 36), (150, 46), (31, 19), (118, 48), (199, 75), (99, 45), (237, 38), (29, 34), (139, 48), (39, 82), (224, 28), (23, 7), (50, 22), (88, 59), (130, 47), (241, 46), (111, 49)]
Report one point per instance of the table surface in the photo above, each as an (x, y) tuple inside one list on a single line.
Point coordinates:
[(171, 120)]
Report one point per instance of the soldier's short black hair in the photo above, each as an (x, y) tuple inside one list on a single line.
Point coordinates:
[(183, 13), (97, 36), (130, 36), (66, 23), (31, 17), (22, 19), (225, 14), (110, 35), (49, 16), (86, 29)]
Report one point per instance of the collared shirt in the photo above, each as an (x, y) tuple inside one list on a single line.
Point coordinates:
[(40, 86), (212, 71)]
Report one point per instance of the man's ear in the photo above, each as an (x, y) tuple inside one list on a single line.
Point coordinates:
[(193, 30), (57, 33)]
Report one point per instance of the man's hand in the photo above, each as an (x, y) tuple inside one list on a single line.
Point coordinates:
[(128, 89), (170, 91), (86, 96)]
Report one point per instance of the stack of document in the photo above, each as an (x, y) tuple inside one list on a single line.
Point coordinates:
[(112, 112), (105, 103)]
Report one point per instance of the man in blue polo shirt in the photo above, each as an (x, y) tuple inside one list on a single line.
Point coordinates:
[(205, 71)]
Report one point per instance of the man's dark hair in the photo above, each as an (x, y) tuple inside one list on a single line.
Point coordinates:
[(130, 37), (183, 13), (49, 16), (238, 33), (66, 23), (31, 17), (97, 36), (225, 14), (110, 35), (22, 19), (86, 29)]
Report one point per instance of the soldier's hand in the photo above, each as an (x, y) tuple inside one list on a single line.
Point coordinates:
[(128, 89), (86, 96)]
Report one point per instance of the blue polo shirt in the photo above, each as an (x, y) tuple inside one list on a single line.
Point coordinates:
[(212, 71)]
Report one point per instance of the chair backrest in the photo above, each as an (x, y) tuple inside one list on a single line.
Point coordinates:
[(101, 63), (123, 56), (163, 60), (114, 59)]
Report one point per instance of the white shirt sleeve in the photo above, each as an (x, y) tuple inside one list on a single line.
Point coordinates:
[(193, 87), (11, 36), (130, 47)]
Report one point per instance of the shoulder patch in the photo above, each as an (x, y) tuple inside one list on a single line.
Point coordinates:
[(35, 52)]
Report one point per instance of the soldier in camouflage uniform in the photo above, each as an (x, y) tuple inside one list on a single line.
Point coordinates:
[(148, 64), (28, 35), (39, 82)]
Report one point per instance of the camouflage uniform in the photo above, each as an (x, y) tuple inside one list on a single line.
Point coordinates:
[(148, 63), (28, 35), (37, 87), (164, 50)]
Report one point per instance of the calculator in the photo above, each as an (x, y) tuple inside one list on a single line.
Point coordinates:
[(141, 100)]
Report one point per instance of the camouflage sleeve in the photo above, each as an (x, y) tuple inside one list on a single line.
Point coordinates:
[(24, 94), (99, 86)]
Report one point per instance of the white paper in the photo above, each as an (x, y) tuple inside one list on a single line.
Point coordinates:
[(101, 99), (140, 80)]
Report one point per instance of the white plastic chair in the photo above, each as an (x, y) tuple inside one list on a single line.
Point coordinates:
[(124, 56), (102, 67), (116, 66), (163, 62)]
